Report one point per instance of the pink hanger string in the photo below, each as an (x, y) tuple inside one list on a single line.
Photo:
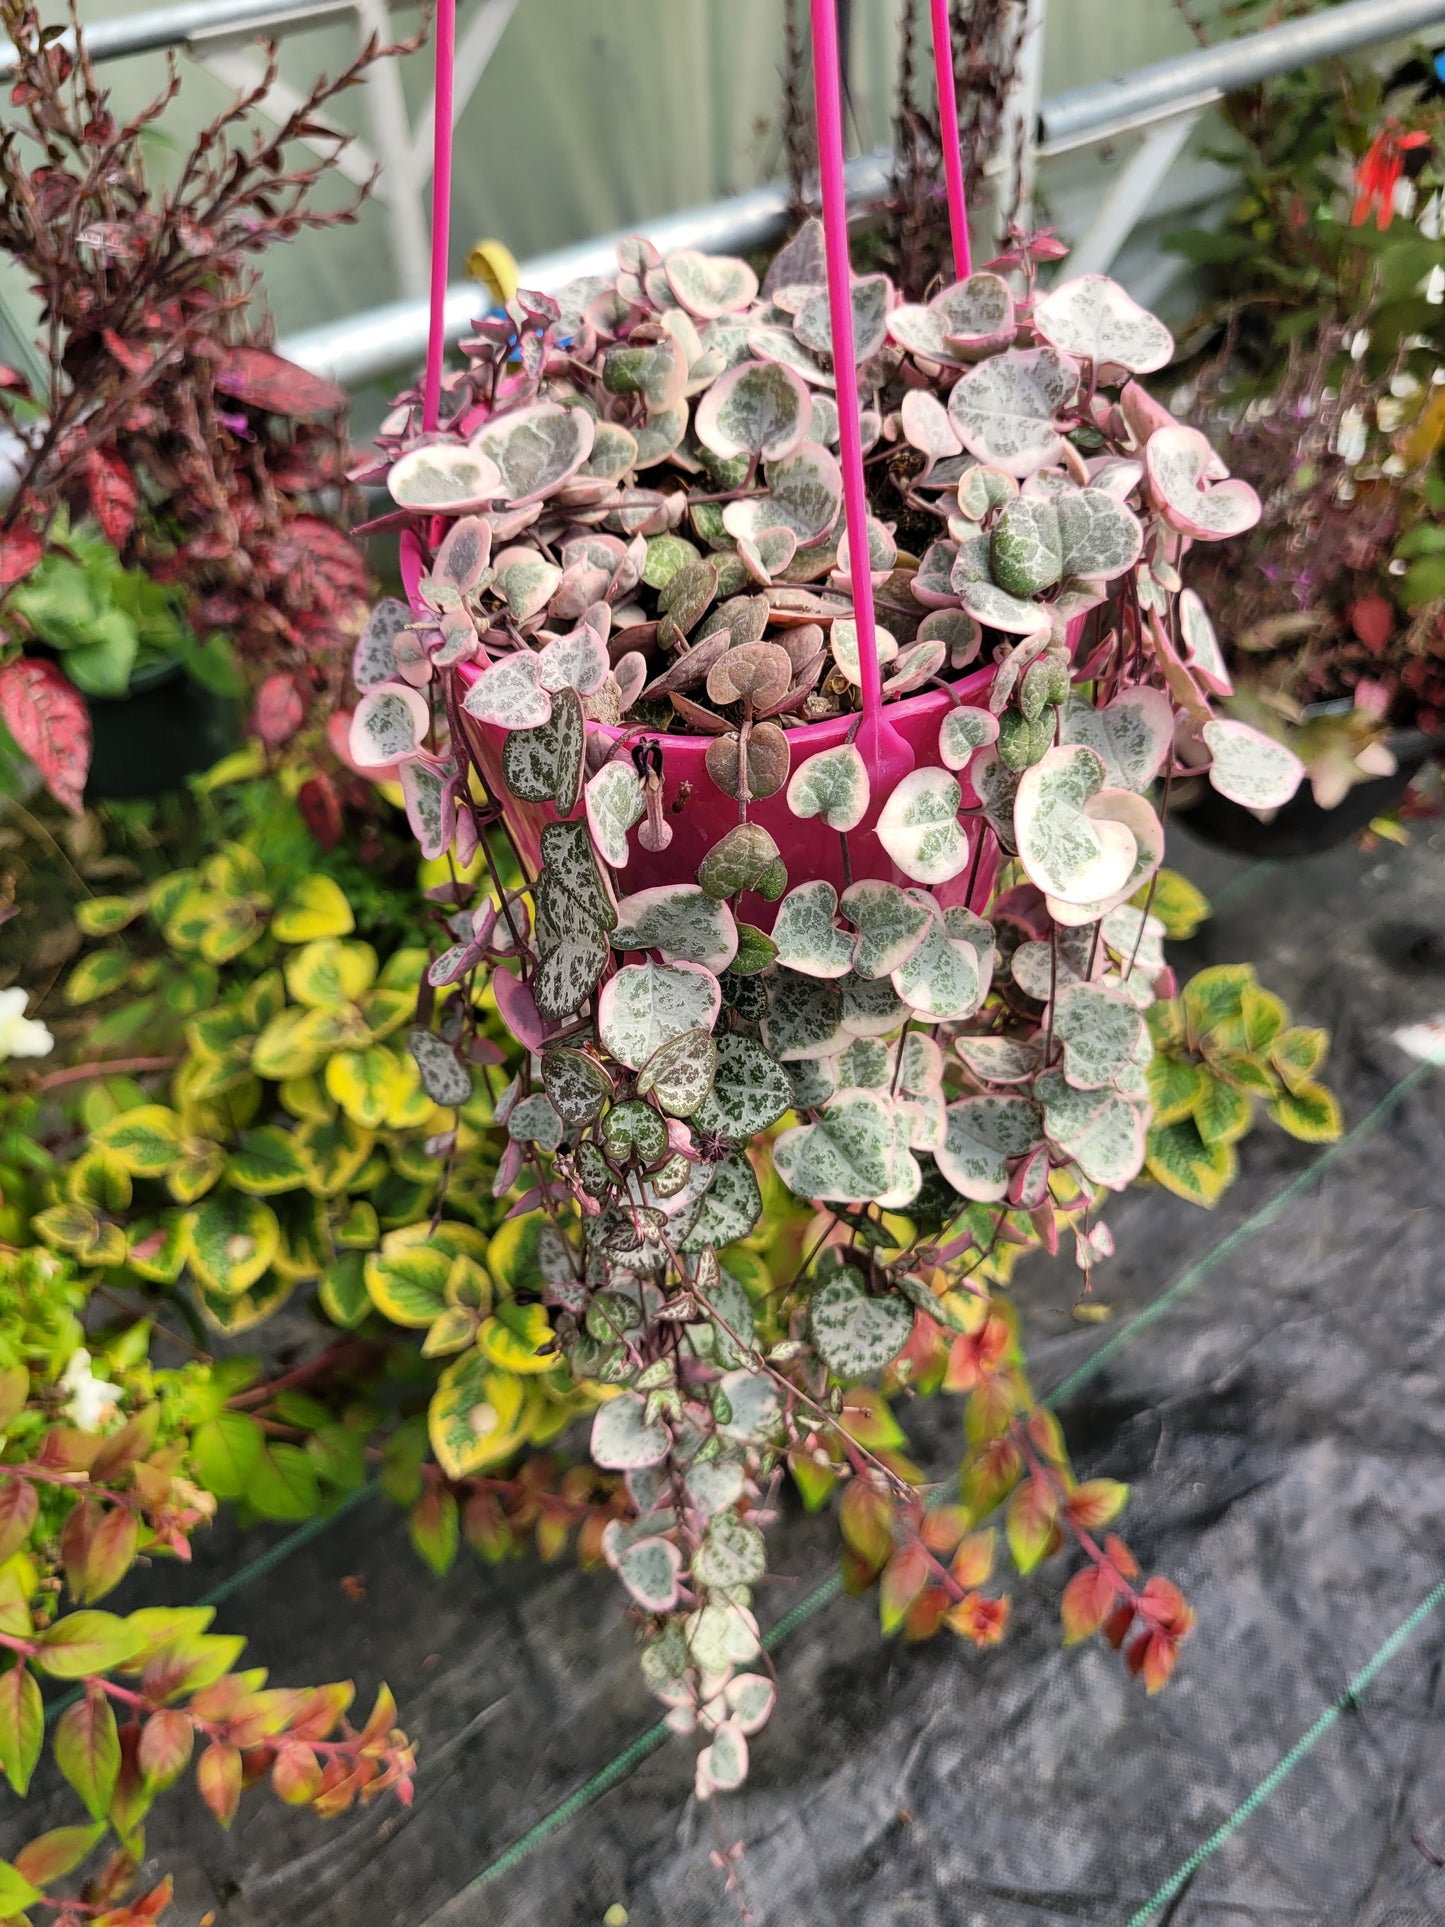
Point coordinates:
[(441, 211), (845, 364), (948, 138)]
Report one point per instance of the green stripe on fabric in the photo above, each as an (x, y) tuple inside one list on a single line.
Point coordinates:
[(1302, 1747), (831, 1588), (254, 1569)]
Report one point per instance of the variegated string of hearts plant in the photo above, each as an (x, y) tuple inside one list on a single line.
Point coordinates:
[(625, 551)]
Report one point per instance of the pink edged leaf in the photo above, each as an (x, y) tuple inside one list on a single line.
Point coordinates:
[(280, 387), (834, 785), (1179, 461), (431, 807), (1131, 735), (388, 725), (926, 426), (47, 716), (644, 1006), (518, 1010), (649, 1568), (680, 921), (615, 802), (374, 658), (527, 582), (464, 554), (871, 296), (723, 1766), (535, 449), (804, 495), (1249, 767), (963, 732), (919, 827), (844, 643), (1093, 319), (1143, 415), (509, 692), (443, 478), (1005, 410), (1202, 652), (710, 285), (623, 1440), (757, 408), (578, 661), (767, 554), (338, 741), (20, 550), (961, 323), (1082, 533), (1065, 853), (1137, 816)]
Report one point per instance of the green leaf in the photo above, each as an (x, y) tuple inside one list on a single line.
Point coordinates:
[(1029, 1522), (15, 1890), (104, 916), (96, 976), (1221, 1113), (282, 1483), (435, 1528), (407, 1283), (85, 1642), (225, 1450), (1298, 1053), (87, 1751), (266, 1162), (58, 1852), (1309, 1112), (22, 1726), (1174, 1087), (315, 907), (1177, 1157), (343, 1294), (145, 1140), (233, 1241), (1179, 906), (1215, 997), (1264, 1017), (519, 1338)]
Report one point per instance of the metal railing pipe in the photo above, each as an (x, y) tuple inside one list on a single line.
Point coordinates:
[(1196, 79), (192, 20), (366, 346)]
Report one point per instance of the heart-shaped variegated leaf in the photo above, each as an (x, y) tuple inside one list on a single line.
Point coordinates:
[(805, 1017), (804, 495), (1131, 735), (807, 935), (1005, 410), (544, 765), (431, 807), (721, 1767), (509, 693), (1249, 767), (1202, 652), (1180, 465), (757, 408), (919, 827), (961, 322), (682, 922), (997, 609), (867, 1064), (1105, 1139), (844, 641), (846, 1156), (891, 923), (442, 478), (962, 732), (857, 1334), (1093, 319), (926, 426), (709, 285), (614, 803), (526, 583), (576, 1083), (871, 294), (649, 1568), (1064, 852), (871, 1007), (534, 1120), (731, 1554), (633, 1126), (1082, 533), (535, 449), (941, 979), (680, 1072), (1000, 1060), (983, 1134), (750, 1091), (646, 1005), (833, 785), (388, 725), (577, 662), (374, 658), (1100, 1032), (1136, 815), (445, 1080), (569, 867), (657, 371), (731, 1206), (622, 1440)]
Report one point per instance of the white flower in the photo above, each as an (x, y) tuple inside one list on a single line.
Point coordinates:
[(21, 1036), (92, 1399)]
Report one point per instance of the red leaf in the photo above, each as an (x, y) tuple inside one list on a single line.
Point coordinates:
[(113, 494), (904, 1578), (219, 1778), (979, 1618), (48, 718), (1087, 1602), (320, 808), (264, 380), (279, 710), (20, 550), (134, 359), (1372, 617)]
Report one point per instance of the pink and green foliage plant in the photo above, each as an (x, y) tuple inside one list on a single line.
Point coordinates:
[(625, 543)]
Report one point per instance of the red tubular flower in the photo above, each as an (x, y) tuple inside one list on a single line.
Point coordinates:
[(1379, 172)]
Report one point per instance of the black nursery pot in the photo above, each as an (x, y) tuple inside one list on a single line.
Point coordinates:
[(167, 728), (1300, 827)]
